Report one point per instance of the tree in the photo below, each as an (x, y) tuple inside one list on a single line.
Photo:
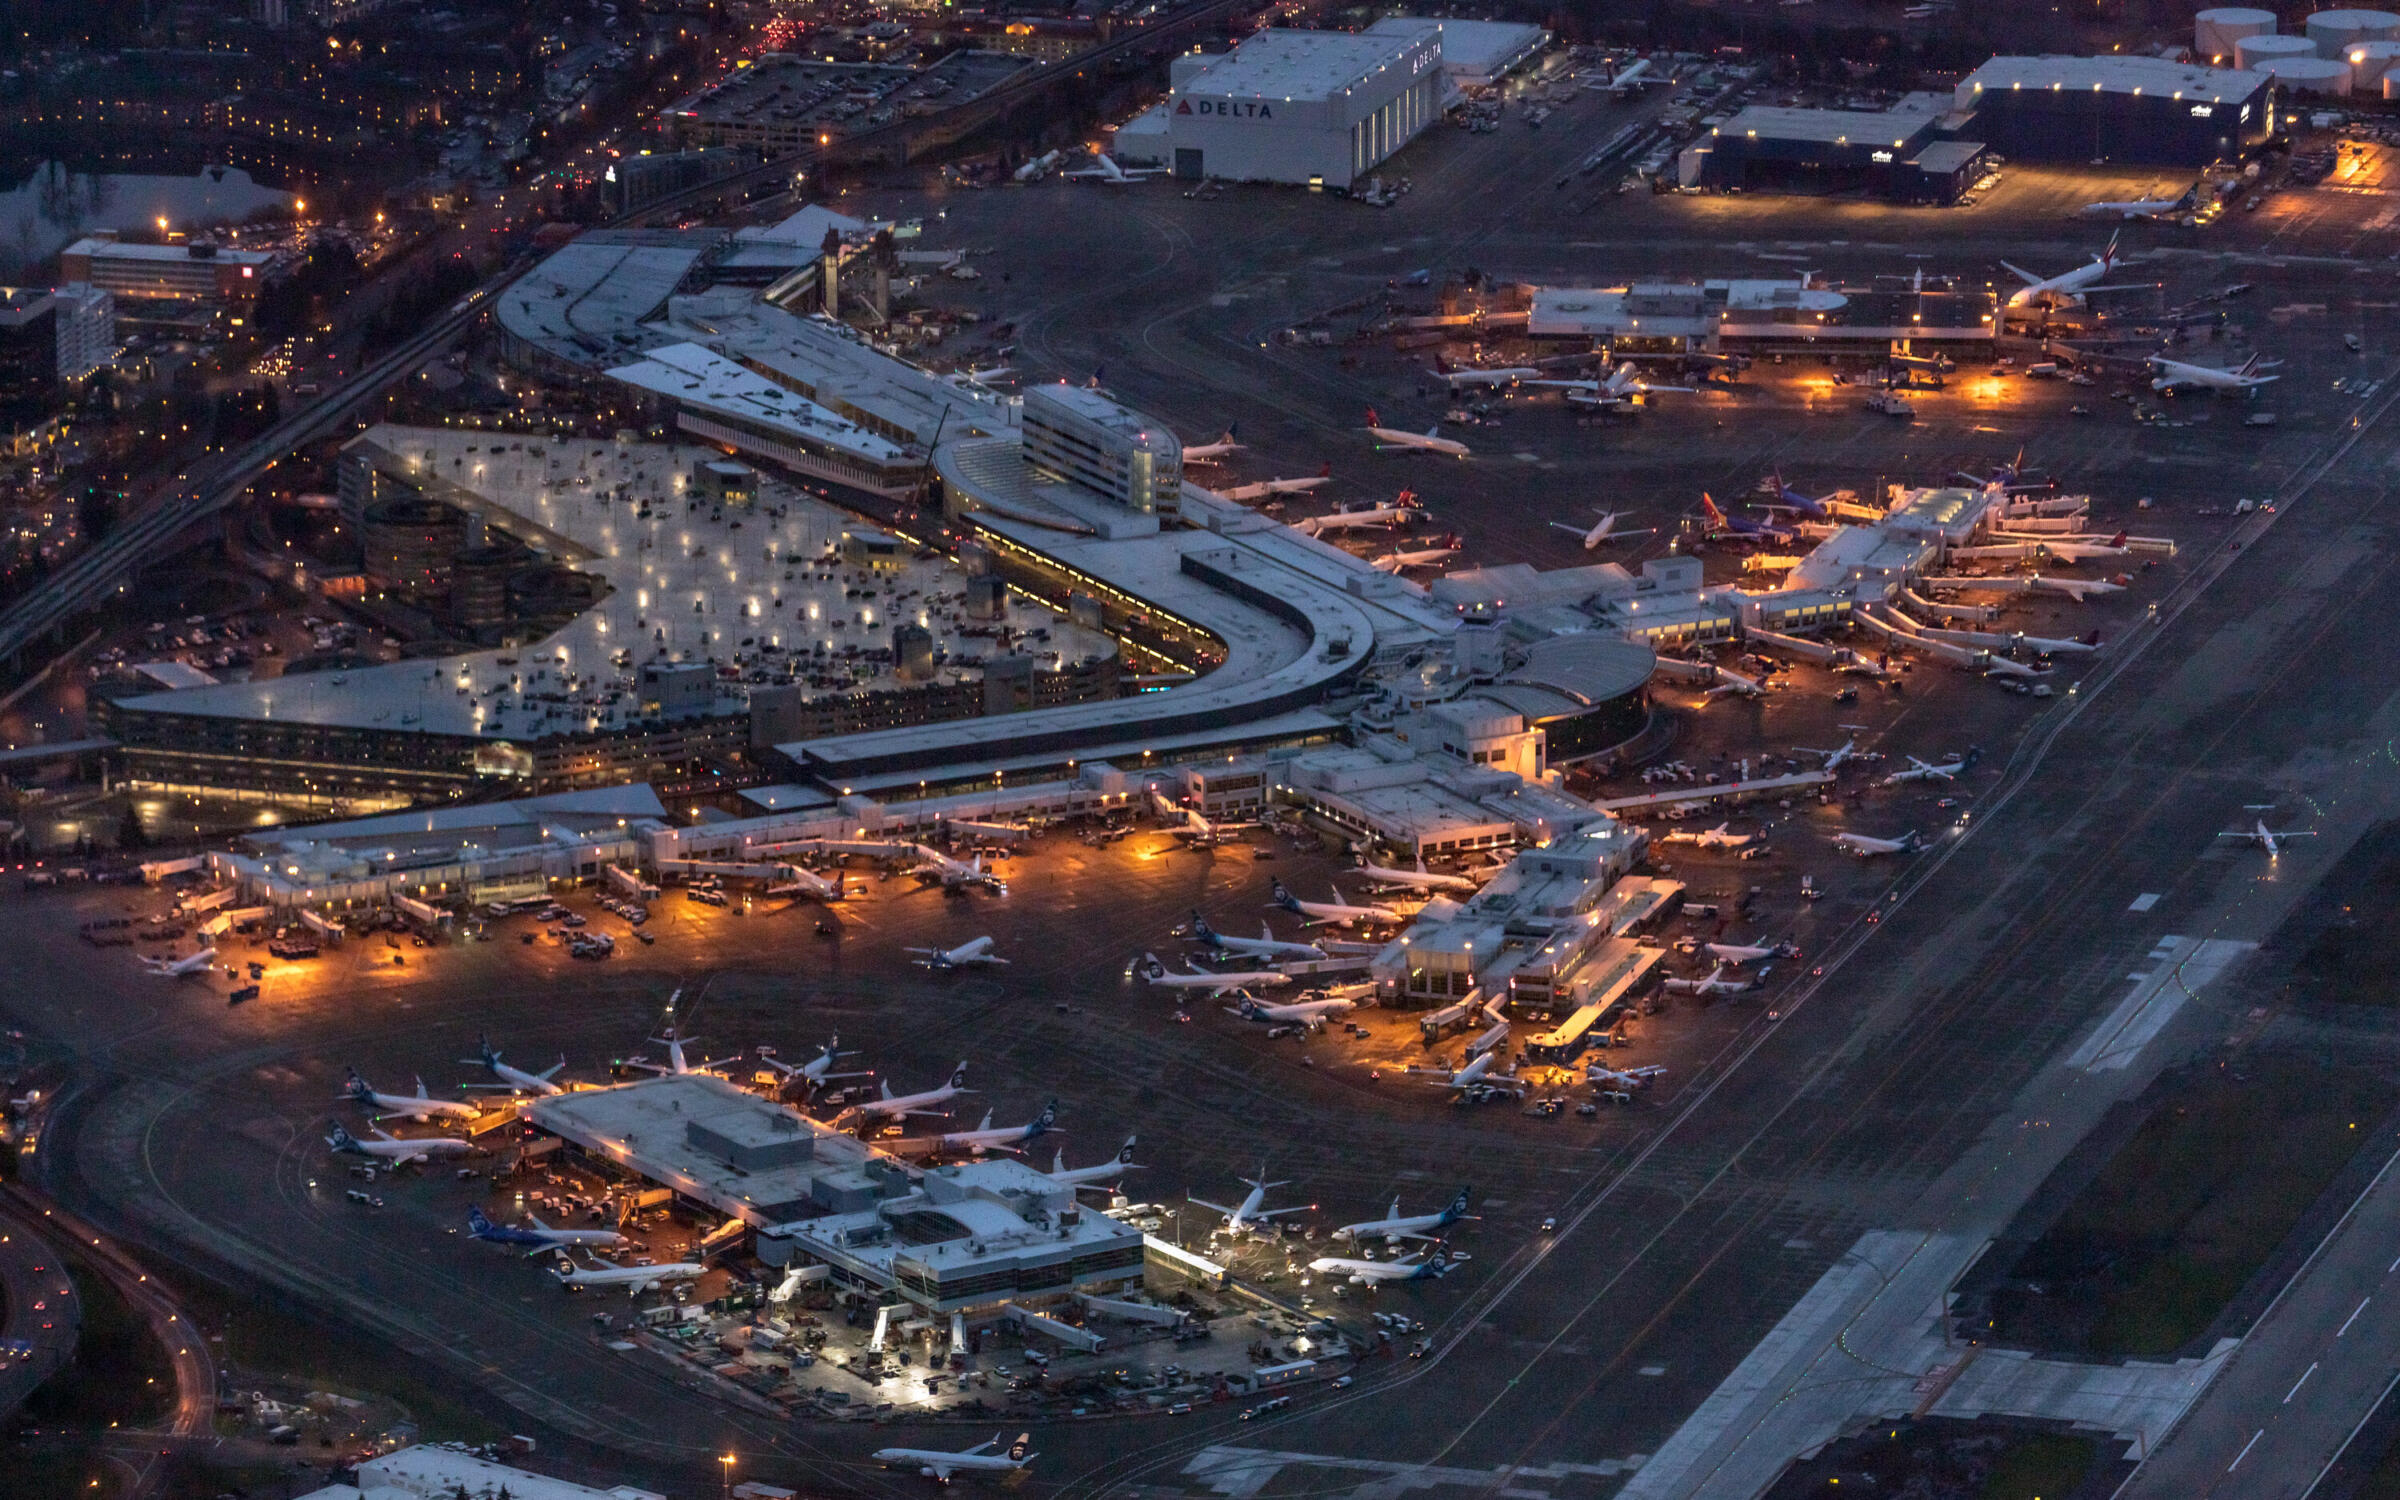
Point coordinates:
[(129, 830)]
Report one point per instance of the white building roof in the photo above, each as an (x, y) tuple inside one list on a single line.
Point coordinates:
[(586, 303), (1288, 65), (435, 1472), (100, 249), (1484, 49), (2108, 75), (700, 379)]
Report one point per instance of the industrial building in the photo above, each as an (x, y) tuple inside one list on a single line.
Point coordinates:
[(1475, 54), (1310, 108), (1896, 153), (2131, 110), (215, 277)]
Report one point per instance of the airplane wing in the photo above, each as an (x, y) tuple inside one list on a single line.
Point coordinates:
[(2024, 275), (1212, 1207)]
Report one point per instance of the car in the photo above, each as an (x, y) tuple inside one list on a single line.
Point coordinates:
[(1344, 1382), (1550, 1225)]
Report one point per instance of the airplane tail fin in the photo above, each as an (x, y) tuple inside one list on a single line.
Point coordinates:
[(476, 1222), (1152, 968), (1372, 419), (1325, 469), (1974, 754), (1021, 1449), (1458, 1205), (958, 1075), (2250, 365), (2108, 257), (1708, 508), (1125, 1152)]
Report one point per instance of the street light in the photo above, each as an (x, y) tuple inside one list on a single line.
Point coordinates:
[(725, 1471)]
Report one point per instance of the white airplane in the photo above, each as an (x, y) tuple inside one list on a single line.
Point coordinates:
[(938, 1464), (541, 1237), (2259, 835), (419, 1106), (1418, 557), (1267, 489), (1005, 1138), (1102, 1175), (965, 955), (180, 968), (1038, 168), (807, 883), (634, 1279), (1867, 848), (986, 375), (1619, 388), (817, 1070), (1606, 531), (1105, 168), (1475, 1073), (1419, 878), (516, 1080), (2067, 288), (1719, 837), (1428, 441), (1835, 758), (1634, 79), (1304, 1012), (1393, 1226), (1738, 954), (1333, 913), (1468, 379), (1398, 513), (1378, 1272), (893, 1106), (956, 874), (1209, 453), (1266, 945), (2142, 208), (1199, 831), (1248, 1218), (1715, 984), (1623, 1080), (392, 1149), (1918, 770), (2175, 375), (677, 1065), (1155, 973)]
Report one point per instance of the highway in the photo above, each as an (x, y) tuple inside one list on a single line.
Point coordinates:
[(44, 1314)]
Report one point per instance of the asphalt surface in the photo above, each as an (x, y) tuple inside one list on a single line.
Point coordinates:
[(43, 1312)]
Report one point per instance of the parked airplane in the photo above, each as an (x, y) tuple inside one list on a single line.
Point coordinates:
[(1104, 1174), (677, 1065), (1949, 770), (418, 1106), (939, 1464), (1197, 830), (1267, 489), (956, 874), (1717, 525), (391, 1148), (2144, 208), (1155, 973), (2261, 836), (1867, 848), (1394, 1226), (1474, 1074), (1266, 945), (965, 955), (1105, 168), (540, 1237), (180, 968), (894, 1106), (1005, 1138), (1719, 837), (1038, 168), (1622, 386), (1715, 984), (1419, 878), (1428, 441), (2175, 375), (817, 1070), (1419, 557), (1209, 453), (1398, 513), (634, 1279), (1605, 531), (1835, 758), (515, 1080), (1371, 1273), (802, 882), (1632, 80), (1622, 1080), (1301, 1012), (1249, 1217), (2067, 288), (1335, 913), (1738, 954), (1466, 379)]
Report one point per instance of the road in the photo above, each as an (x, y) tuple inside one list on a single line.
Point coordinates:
[(43, 1310)]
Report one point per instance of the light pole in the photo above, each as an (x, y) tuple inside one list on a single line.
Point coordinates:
[(725, 1477)]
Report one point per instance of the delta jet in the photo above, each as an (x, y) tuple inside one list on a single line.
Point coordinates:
[(939, 1464), (1301, 1012), (1371, 1273), (1459, 380), (634, 1279), (1266, 945), (965, 955), (1104, 1175), (2260, 836), (1867, 848), (180, 968), (895, 1106), (1949, 770), (2175, 375), (1005, 1138), (1216, 452), (1105, 168), (1605, 531), (1428, 441), (392, 1149), (1738, 954), (418, 1106), (1419, 878), (1158, 975), (1715, 984), (515, 1080), (540, 1237), (1393, 1226), (1398, 513), (1419, 557), (817, 1070), (1249, 1217), (1719, 837), (1333, 913), (2067, 288), (1268, 489)]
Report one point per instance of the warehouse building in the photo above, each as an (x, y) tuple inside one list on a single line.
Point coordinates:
[(1475, 54), (1316, 109), (1895, 153), (2136, 110)]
